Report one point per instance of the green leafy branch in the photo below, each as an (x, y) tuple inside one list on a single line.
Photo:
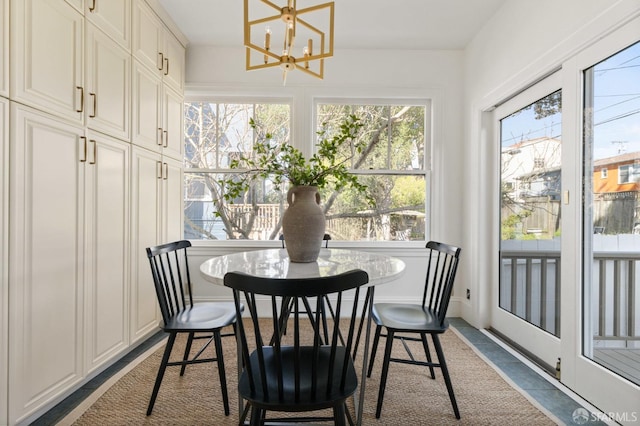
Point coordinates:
[(327, 168)]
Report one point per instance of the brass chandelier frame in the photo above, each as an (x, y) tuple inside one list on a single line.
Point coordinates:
[(291, 18)]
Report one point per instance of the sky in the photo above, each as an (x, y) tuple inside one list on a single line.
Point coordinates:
[(616, 101)]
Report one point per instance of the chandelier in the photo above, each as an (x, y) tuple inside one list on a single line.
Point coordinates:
[(268, 25)]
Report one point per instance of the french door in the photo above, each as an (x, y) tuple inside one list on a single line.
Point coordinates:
[(526, 306), (568, 180)]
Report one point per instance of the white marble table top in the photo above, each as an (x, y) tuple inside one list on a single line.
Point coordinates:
[(274, 263)]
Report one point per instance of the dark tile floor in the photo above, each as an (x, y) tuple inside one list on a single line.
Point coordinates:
[(543, 391)]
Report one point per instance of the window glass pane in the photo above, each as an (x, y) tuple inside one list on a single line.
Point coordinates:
[(215, 135), (389, 157), (611, 223), (530, 206), (400, 217)]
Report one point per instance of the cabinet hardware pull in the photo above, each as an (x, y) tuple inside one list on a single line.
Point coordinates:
[(166, 61), (166, 139), (161, 64), (159, 169), (95, 151), (160, 142), (84, 150), (81, 99), (166, 171), (93, 95), (93, 6)]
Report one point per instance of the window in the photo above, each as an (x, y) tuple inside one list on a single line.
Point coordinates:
[(215, 134), (603, 173), (629, 173), (393, 166)]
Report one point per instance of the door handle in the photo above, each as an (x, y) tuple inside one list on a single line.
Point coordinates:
[(166, 61), (95, 151), (161, 63), (160, 134), (166, 171), (81, 99), (93, 6), (159, 169), (166, 138), (95, 104), (84, 149)]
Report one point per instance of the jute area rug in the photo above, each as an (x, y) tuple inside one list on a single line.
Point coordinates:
[(411, 398)]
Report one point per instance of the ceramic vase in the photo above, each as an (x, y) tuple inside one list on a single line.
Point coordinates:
[(303, 224)]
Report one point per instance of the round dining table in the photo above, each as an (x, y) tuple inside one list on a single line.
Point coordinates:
[(275, 263)]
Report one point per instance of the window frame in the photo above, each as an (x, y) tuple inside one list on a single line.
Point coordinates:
[(303, 126)]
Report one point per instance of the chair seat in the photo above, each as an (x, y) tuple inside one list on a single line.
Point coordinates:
[(307, 401), (202, 316), (407, 317)]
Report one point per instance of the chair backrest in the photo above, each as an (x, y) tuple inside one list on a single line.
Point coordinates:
[(296, 367), (442, 265), (325, 238), (170, 271)]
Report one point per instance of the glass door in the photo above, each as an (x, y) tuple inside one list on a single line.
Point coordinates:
[(611, 227), (527, 309)]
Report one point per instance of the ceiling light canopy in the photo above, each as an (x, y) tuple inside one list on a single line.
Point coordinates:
[(271, 31)]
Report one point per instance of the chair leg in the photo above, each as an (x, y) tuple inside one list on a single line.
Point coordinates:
[(161, 370), (374, 347), (427, 352), (187, 349), (445, 374), (385, 370), (221, 371), (339, 415), (256, 416)]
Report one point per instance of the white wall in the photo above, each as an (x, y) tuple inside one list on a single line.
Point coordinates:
[(435, 75), (523, 42)]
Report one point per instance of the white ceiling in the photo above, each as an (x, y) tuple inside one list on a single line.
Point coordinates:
[(359, 24)]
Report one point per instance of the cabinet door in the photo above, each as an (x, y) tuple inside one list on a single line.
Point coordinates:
[(4, 48), (147, 105), (173, 133), (108, 85), (46, 56), (173, 66), (107, 248), (113, 17), (4, 252), (172, 200), (46, 260), (146, 184), (147, 36)]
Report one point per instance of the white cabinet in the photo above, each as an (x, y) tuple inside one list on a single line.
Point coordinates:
[(107, 248), (108, 89), (156, 47), (172, 130), (174, 57), (47, 57), (156, 193), (157, 125), (4, 48), (146, 121), (113, 17), (47, 260), (4, 251), (69, 264)]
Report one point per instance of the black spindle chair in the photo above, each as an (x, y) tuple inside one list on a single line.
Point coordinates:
[(297, 372), (428, 318), (170, 271)]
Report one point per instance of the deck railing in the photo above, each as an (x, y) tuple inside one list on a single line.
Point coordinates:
[(531, 290)]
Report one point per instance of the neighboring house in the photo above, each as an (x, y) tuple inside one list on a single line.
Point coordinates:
[(616, 188), (531, 168), (620, 173)]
